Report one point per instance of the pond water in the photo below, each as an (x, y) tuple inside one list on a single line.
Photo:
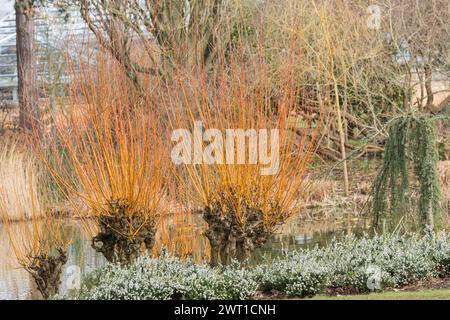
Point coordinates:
[(15, 283)]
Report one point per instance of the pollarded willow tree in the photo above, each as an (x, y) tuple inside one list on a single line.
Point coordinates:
[(242, 165), (107, 158), (410, 151), (41, 240)]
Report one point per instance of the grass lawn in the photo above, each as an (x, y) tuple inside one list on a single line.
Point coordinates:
[(437, 294)]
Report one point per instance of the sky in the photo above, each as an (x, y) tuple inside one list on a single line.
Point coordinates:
[(6, 6)]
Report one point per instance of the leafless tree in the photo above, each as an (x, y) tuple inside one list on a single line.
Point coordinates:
[(167, 32), (26, 64)]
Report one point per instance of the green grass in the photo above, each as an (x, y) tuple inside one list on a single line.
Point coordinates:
[(438, 294)]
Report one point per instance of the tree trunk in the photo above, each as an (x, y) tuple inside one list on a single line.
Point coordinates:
[(243, 251), (46, 271), (428, 88), (214, 254), (341, 136), (26, 65)]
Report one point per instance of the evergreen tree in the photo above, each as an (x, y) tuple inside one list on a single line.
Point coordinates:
[(410, 151)]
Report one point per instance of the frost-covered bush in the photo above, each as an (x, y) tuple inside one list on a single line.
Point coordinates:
[(354, 264)]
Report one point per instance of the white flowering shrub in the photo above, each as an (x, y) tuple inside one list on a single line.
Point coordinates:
[(300, 274), (355, 264), (146, 279), (440, 252), (168, 278), (359, 264), (231, 282)]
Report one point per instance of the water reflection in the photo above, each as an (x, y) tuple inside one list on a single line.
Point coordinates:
[(300, 234), (15, 283)]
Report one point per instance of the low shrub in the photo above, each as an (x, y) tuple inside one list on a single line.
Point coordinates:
[(356, 265), (359, 265), (168, 278), (297, 275)]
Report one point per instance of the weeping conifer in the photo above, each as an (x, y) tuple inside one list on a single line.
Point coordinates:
[(410, 151)]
